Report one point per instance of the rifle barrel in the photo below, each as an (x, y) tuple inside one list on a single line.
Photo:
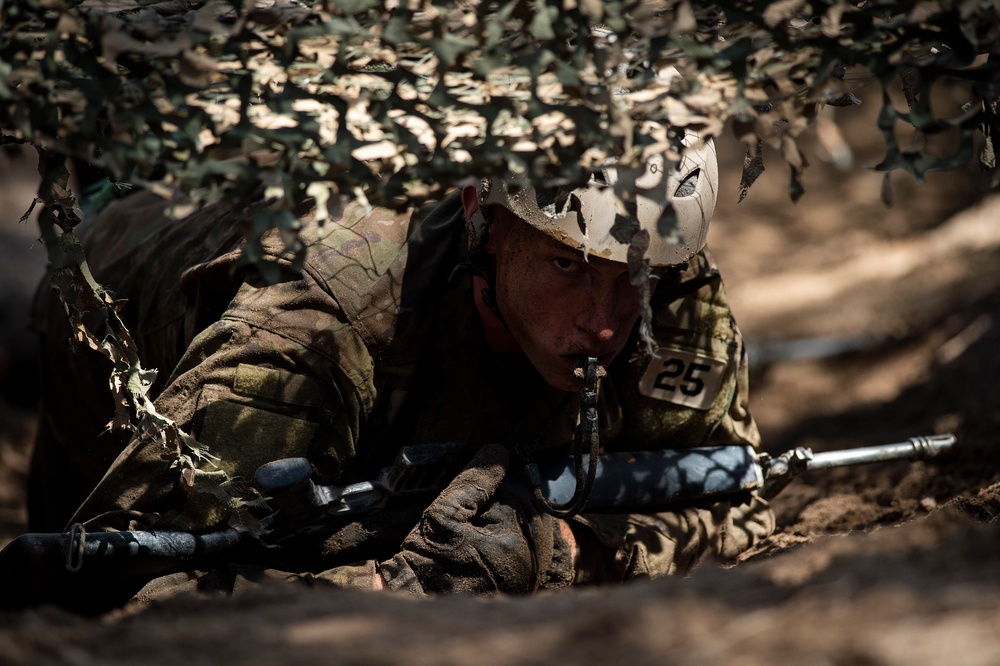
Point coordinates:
[(915, 448)]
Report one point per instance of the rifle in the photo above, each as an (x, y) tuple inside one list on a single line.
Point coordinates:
[(96, 572)]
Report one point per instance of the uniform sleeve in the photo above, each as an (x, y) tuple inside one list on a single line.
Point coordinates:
[(281, 374), (690, 386)]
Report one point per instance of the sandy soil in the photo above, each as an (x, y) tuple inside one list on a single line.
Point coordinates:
[(868, 325)]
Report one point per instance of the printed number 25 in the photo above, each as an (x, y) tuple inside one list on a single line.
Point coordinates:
[(690, 383)]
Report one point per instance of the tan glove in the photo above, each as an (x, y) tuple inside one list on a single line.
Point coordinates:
[(481, 536)]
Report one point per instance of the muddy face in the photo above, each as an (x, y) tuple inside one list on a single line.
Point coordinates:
[(557, 305)]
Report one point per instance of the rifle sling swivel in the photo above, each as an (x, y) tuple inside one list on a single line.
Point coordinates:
[(75, 544)]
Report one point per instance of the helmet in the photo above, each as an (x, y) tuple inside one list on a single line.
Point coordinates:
[(584, 218)]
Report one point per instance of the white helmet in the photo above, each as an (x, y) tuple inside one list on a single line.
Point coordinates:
[(583, 218)]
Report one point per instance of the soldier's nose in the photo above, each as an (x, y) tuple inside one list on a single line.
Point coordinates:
[(600, 317)]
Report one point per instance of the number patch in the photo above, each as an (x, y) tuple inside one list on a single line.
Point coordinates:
[(683, 378)]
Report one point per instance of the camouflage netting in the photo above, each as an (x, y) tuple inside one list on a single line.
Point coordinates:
[(396, 102)]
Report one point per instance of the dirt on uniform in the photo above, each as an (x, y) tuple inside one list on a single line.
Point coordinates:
[(867, 325)]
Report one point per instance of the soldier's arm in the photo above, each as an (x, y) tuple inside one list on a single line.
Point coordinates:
[(271, 379)]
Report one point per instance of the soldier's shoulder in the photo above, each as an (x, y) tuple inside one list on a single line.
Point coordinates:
[(374, 240), (364, 258), (359, 236)]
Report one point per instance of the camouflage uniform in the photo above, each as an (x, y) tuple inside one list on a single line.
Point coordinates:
[(375, 344)]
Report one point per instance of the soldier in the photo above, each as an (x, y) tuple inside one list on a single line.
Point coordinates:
[(463, 322)]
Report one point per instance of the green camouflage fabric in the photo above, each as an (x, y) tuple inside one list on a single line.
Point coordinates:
[(169, 295), (374, 344)]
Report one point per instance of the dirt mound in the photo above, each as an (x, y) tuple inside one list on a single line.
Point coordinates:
[(904, 595)]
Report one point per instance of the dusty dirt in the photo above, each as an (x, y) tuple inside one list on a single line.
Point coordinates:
[(868, 325)]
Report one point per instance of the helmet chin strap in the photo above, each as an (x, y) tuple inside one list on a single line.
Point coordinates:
[(487, 294), (478, 228)]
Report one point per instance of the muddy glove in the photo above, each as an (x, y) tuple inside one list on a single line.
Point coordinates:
[(481, 536)]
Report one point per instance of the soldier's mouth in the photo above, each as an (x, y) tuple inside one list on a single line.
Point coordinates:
[(602, 359)]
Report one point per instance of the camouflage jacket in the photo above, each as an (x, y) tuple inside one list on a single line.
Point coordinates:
[(375, 344)]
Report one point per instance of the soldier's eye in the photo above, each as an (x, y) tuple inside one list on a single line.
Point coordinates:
[(566, 265)]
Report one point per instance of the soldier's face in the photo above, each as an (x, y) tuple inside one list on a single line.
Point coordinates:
[(558, 306)]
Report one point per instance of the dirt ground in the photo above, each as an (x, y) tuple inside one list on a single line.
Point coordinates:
[(867, 325)]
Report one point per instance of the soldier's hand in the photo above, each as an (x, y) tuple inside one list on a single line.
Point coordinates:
[(479, 536)]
